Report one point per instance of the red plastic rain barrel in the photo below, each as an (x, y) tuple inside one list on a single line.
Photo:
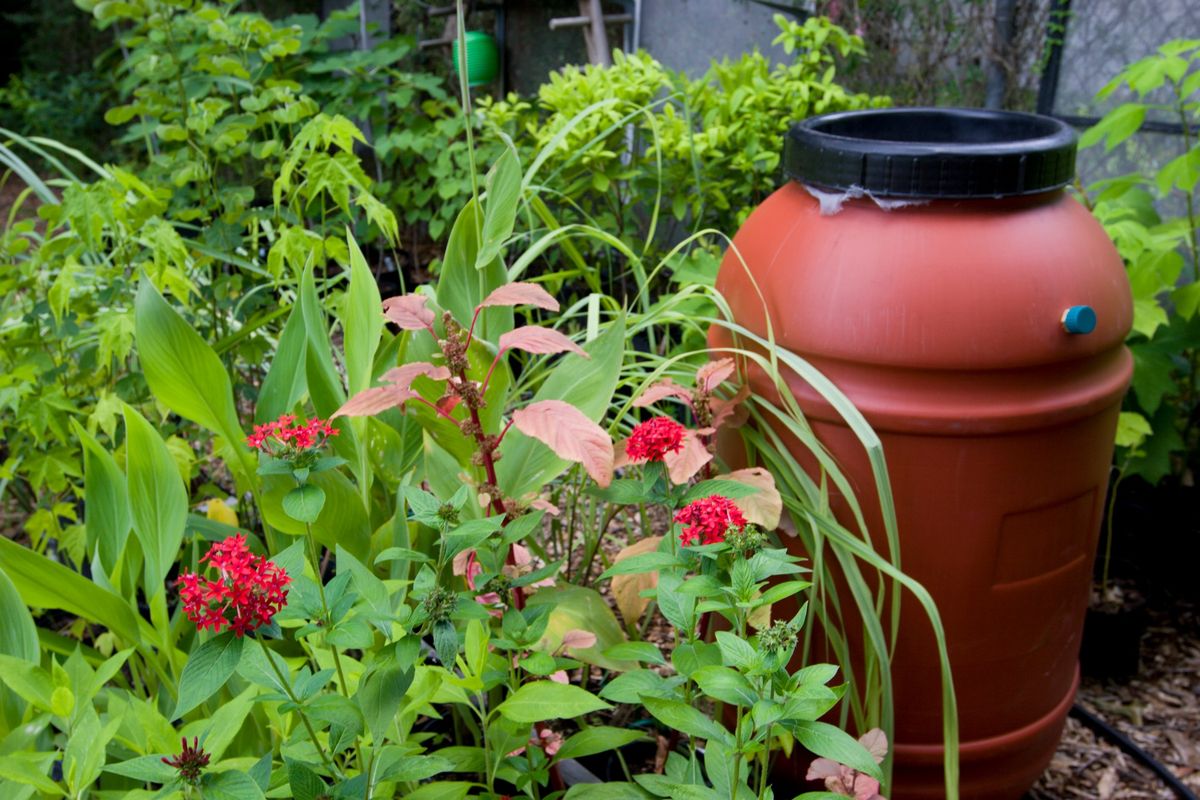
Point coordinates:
[(975, 313)]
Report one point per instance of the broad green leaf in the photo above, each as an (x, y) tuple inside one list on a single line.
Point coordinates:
[(726, 685), (362, 320), (304, 503), (543, 700), (581, 608), (1115, 127), (31, 769), (613, 790), (833, 743), (590, 741), (184, 373), (379, 696), (461, 286), (1132, 429), (285, 382), (157, 499), (207, 669), (43, 583), (106, 502), (587, 384), (29, 681), (500, 206), (226, 722), (324, 383), (442, 790), (18, 640), (342, 521), (631, 687), (230, 785), (84, 756), (636, 651), (305, 783), (147, 769), (682, 717)]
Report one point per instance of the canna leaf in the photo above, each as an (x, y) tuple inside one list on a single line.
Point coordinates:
[(157, 499)]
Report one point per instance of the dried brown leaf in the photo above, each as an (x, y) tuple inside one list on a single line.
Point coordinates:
[(627, 589), (520, 294), (570, 434), (765, 506)]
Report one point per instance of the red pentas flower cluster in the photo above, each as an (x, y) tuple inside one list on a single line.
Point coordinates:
[(286, 436), (654, 438), (708, 519), (247, 593)]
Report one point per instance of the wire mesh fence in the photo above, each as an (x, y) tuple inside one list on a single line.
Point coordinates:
[(1102, 36)]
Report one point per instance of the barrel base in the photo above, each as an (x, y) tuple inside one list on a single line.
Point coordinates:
[(997, 768)]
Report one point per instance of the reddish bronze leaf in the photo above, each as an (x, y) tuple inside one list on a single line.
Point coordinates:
[(570, 434), (683, 466), (713, 374), (371, 401), (520, 294), (536, 339), (397, 391), (409, 311), (403, 375), (730, 412), (662, 390)]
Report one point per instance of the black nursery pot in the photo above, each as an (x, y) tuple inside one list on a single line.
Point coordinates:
[(1112, 641)]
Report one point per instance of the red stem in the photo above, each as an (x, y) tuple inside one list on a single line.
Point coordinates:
[(489, 468)]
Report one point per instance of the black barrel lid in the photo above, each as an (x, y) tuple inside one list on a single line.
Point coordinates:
[(932, 152)]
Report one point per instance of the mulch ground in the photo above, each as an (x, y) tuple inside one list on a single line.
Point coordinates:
[(1159, 710)]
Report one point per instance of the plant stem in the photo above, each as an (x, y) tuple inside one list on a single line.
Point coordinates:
[(325, 618), (287, 688)]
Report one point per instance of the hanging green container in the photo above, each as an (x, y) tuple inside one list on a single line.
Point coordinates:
[(483, 58)]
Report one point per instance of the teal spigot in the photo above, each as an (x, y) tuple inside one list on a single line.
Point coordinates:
[(1079, 319)]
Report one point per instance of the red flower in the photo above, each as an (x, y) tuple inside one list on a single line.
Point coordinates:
[(654, 438), (248, 592), (189, 762), (285, 437), (707, 520)]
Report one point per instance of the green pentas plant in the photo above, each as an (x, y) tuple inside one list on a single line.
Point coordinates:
[(716, 584), (1154, 221)]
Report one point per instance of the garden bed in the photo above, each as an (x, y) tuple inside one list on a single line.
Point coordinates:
[(1159, 710)]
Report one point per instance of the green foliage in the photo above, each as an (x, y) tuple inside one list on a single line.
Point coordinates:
[(1162, 258), (620, 143)]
